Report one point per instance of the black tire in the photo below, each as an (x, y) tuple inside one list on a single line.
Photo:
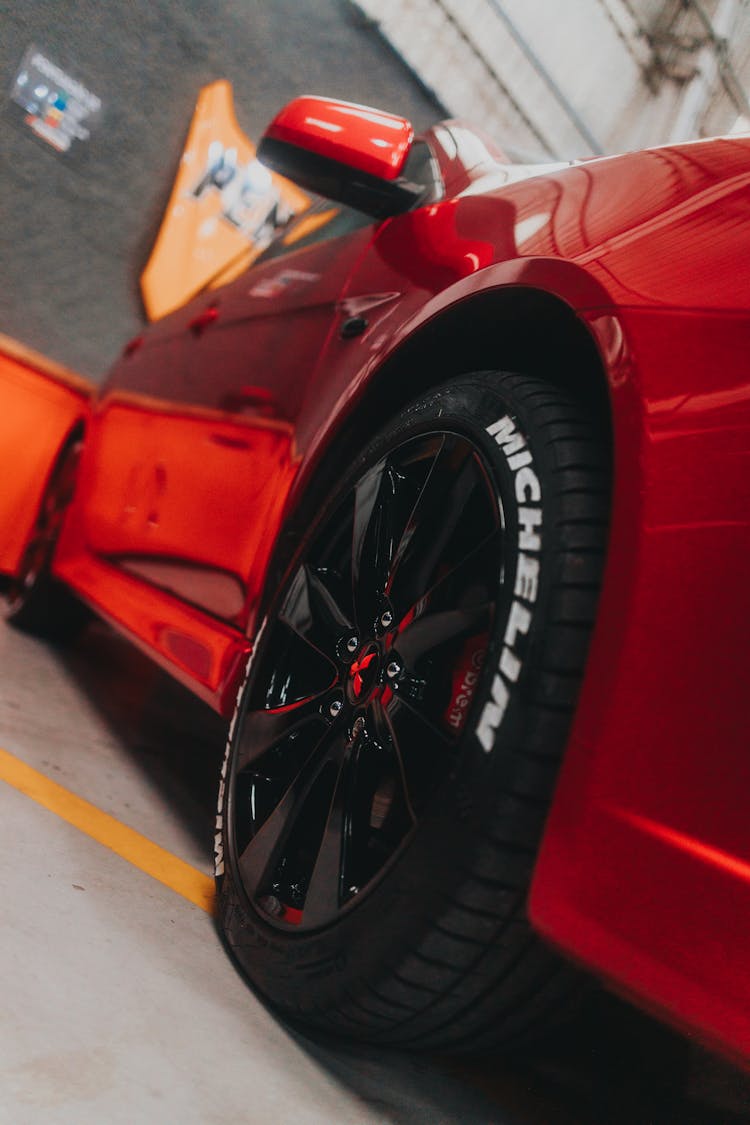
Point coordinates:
[(34, 601), (435, 803)]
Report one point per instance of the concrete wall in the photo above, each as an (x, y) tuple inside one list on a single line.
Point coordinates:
[(552, 79)]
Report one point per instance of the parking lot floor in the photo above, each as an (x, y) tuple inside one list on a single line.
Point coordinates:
[(120, 1003)]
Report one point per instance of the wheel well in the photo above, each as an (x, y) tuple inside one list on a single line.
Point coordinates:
[(519, 329), (515, 329)]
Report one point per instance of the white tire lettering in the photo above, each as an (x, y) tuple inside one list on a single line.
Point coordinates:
[(492, 714), (528, 493), (219, 835), (519, 620), (509, 665), (528, 519), (527, 578), (528, 489), (503, 429), (520, 460)]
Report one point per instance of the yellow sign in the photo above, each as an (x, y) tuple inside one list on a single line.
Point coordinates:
[(224, 209)]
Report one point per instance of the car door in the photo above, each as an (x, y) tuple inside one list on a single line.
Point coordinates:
[(194, 432)]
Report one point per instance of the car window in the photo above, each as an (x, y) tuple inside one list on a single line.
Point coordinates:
[(325, 219), (322, 221)]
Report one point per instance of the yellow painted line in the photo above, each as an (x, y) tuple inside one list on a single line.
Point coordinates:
[(143, 853)]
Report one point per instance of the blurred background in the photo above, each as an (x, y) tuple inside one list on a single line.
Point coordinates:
[(555, 81), (548, 80)]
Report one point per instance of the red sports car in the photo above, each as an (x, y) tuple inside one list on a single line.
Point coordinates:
[(446, 502)]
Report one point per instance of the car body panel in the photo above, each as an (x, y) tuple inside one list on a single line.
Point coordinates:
[(198, 425), (644, 868), (42, 405)]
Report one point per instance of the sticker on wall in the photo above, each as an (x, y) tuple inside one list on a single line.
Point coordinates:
[(224, 209), (59, 108)]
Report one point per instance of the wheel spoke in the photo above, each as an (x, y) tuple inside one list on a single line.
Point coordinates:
[(402, 771), (326, 607), (325, 889), (477, 572), (355, 843), (261, 856), (372, 542), (423, 726), (434, 629), (446, 524), (419, 745), (311, 611), (384, 502), (296, 672), (263, 730)]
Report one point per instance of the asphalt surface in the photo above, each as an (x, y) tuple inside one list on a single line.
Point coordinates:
[(76, 228)]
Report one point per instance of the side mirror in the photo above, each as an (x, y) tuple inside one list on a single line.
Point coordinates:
[(349, 153)]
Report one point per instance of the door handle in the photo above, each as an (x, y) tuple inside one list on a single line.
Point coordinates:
[(203, 320)]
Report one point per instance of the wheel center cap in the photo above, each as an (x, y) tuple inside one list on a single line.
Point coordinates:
[(363, 673)]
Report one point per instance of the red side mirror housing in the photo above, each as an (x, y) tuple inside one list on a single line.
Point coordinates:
[(350, 153)]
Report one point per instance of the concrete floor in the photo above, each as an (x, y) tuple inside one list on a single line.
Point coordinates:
[(120, 1004)]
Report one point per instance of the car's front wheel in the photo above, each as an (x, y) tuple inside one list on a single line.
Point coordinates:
[(396, 742)]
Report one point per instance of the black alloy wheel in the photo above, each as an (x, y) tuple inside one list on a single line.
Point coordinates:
[(396, 742), (351, 721)]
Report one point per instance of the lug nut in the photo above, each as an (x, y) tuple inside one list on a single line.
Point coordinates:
[(352, 644), (334, 708), (358, 726), (354, 890), (393, 670), (386, 619)]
